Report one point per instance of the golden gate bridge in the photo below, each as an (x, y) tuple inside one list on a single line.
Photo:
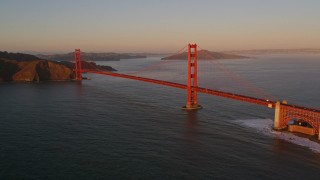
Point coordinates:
[(284, 112)]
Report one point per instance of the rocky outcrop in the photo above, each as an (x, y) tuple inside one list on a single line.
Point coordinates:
[(21, 67), (56, 71), (205, 55), (41, 70), (27, 72), (8, 69)]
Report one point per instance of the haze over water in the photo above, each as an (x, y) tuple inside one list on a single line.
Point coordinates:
[(111, 128)]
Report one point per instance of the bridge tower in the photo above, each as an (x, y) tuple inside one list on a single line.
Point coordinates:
[(78, 70), (192, 98)]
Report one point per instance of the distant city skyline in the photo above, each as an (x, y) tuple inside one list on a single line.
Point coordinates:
[(157, 26)]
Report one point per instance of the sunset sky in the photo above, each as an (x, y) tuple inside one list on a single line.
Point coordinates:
[(157, 25)]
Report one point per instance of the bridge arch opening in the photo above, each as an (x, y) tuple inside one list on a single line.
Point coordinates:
[(299, 124)]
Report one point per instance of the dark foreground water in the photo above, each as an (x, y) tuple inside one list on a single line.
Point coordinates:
[(110, 128)]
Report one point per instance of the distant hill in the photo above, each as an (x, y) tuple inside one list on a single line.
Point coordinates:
[(92, 56), (205, 55), (18, 56)]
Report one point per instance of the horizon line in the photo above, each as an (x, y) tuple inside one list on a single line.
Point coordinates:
[(125, 52)]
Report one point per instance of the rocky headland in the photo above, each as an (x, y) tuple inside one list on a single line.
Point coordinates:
[(29, 68)]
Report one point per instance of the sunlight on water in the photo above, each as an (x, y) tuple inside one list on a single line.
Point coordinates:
[(264, 126)]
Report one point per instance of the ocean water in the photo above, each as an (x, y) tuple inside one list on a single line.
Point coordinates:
[(112, 128)]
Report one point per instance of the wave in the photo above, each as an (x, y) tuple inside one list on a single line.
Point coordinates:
[(264, 126)]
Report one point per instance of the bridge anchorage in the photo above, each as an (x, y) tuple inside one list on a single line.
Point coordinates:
[(284, 112)]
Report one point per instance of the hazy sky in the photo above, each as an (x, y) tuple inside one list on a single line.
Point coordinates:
[(157, 25)]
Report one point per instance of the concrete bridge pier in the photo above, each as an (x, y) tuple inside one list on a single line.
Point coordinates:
[(277, 116), (319, 134)]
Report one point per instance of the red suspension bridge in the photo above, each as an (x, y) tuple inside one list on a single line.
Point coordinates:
[(283, 112)]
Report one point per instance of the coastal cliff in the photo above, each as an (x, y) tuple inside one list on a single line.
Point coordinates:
[(28, 68), (33, 71)]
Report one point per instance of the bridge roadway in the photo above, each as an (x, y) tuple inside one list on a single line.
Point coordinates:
[(238, 97)]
